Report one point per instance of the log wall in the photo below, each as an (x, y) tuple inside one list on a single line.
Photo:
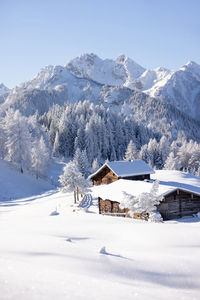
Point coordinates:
[(108, 207), (179, 204), (106, 176)]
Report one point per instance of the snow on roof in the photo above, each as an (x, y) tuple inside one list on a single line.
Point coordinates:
[(181, 180), (127, 168), (114, 191), (169, 182)]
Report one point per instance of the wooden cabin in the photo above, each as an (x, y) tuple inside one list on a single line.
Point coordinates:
[(177, 202), (115, 170)]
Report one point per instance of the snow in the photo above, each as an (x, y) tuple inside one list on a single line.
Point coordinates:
[(22, 186), (3, 89), (183, 180), (127, 168), (151, 78), (115, 191), (179, 87), (121, 71), (79, 255)]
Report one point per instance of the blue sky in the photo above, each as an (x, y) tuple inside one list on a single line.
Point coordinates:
[(35, 33)]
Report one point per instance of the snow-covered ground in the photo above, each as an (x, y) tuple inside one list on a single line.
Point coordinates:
[(44, 256)]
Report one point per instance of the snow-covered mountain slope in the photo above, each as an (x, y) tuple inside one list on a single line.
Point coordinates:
[(150, 78), (3, 89), (180, 88), (55, 85), (83, 78), (14, 185), (129, 89), (122, 71), (52, 85)]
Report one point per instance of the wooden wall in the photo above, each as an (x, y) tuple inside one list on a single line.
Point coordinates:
[(111, 208), (179, 204), (105, 176), (108, 207)]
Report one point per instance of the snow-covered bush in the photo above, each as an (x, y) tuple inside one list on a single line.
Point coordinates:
[(144, 202)]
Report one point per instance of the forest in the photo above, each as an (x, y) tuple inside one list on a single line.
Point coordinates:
[(90, 134)]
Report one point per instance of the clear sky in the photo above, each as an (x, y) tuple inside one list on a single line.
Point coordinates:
[(36, 33)]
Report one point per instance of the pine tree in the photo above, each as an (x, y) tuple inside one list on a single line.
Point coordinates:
[(95, 165), (55, 151), (144, 154), (164, 149), (172, 163), (154, 154), (40, 158), (2, 139), (131, 151), (18, 140)]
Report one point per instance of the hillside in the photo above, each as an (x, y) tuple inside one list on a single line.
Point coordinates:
[(63, 256), (14, 185)]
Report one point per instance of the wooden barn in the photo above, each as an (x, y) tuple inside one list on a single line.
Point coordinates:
[(177, 202), (115, 170)]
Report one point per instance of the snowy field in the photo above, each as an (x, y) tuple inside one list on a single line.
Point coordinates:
[(44, 256)]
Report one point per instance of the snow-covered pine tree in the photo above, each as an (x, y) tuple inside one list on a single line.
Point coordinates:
[(164, 149), (18, 140), (55, 151), (194, 161), (95, 165), (2, 139), (144, 154), (85, 164), (155, 156), (40, 158), (131, 151), (172, 163), (184, 154), (80, 159)]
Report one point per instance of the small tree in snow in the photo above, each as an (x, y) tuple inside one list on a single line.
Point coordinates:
[(144, 202), (73, 181)]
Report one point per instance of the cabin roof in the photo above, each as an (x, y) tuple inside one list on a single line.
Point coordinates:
[(127, 168), (114, 191)]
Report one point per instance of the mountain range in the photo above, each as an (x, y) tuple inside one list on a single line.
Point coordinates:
[(161, 99)]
